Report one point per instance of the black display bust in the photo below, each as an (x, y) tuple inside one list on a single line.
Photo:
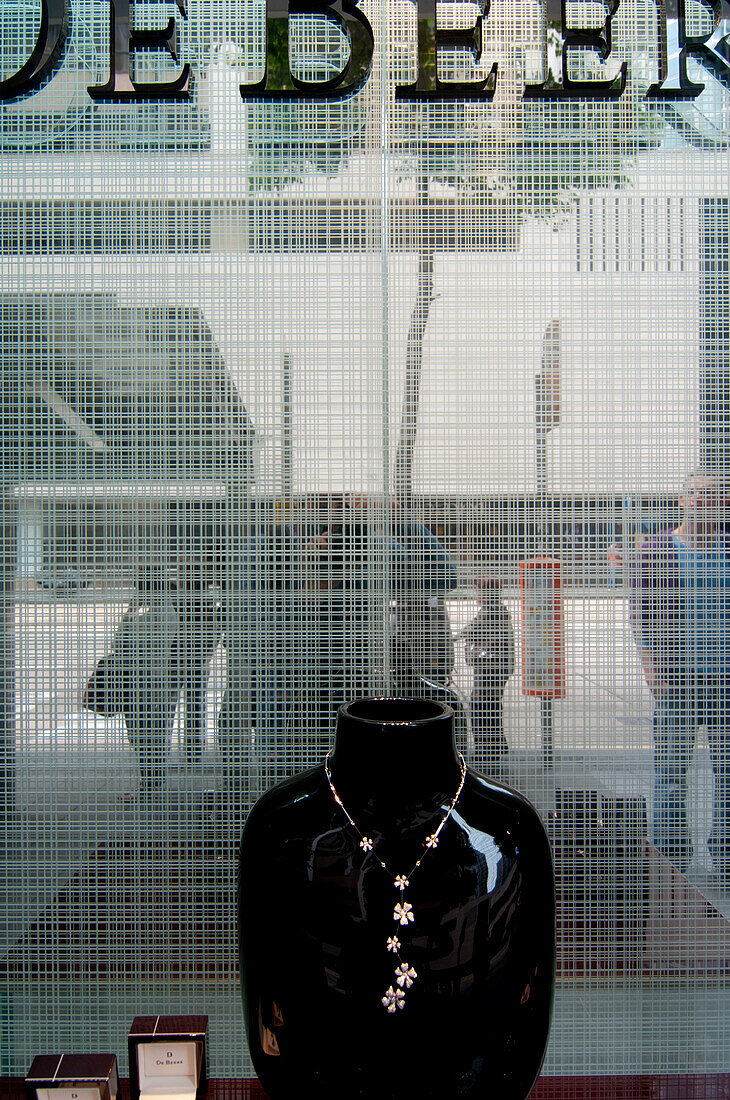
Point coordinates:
[(316, 910)]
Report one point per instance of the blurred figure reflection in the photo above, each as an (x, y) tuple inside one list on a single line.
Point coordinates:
[(489, 649), (305, 629), (680, 615), (198, 635), (151, 684)]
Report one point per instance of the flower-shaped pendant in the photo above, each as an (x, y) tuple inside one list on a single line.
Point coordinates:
[(403, 912)]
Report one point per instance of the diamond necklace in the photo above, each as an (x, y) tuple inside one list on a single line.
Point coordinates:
[(403, 913)]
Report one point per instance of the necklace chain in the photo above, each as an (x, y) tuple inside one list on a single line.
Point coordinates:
[(403, 914)]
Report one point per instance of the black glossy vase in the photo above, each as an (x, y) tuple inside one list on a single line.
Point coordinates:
[(325, 1012)]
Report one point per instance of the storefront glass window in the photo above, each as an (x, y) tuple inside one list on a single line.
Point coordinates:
[(379, 349)]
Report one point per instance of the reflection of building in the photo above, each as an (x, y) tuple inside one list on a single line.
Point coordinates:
[(102, 529), (128, 432)]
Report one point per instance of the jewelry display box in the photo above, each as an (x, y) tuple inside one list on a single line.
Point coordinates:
[(72, 1077), (167, 1057)]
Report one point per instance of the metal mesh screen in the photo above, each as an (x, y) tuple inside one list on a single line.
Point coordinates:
[(296, 394)]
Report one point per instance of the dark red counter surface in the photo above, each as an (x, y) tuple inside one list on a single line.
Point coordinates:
[(655, 1087)]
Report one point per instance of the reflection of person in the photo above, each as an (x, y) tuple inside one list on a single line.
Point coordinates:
[(198, 634), (151, 685), (304, 629), (422, 648), (679, 610), (489, 648)]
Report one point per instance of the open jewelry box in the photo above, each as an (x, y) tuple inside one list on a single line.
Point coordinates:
[(167, 1057)]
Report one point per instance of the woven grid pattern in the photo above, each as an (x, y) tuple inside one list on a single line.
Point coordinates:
[(282, 382)]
